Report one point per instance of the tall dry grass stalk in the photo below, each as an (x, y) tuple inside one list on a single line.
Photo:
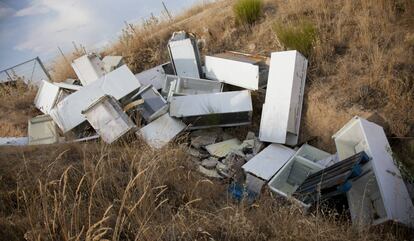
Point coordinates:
[(130, 192), (360, 63)]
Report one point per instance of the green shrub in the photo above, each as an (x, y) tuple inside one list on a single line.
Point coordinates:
[(297, 36), (247, 11)]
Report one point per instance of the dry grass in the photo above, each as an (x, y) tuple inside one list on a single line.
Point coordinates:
[(361, 63), (16, 107), (62, 69), (129, 192)]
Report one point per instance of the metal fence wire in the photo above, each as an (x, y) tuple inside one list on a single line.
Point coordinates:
[(31, 72)]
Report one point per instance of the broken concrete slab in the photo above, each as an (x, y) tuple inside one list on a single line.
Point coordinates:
[(154, 104), (269, 161), (202, 141), (46, 96), (232, 108), (176, 85), (195, 153), (380, 195), (88, 68), (108, 119), (209, 172), (111, 63), (210, 163), (246, 71), (68, 113), (223, 148), (184, 55), (42, 130), (161, 131), (155, 76), (282, 109)]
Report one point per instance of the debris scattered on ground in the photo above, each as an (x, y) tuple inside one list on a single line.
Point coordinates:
[(108, 101)]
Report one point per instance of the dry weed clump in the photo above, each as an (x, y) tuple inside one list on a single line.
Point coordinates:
[(16, 106), (130, 192)]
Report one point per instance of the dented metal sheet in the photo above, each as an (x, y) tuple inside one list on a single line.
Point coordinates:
[(176, 85), (161, 131), (184, 55), (110, 63), (223, 148), (217, 109), (268, 162), (108, 119), (42, 130), (46, 96), (155, 76), (118, 83), (282, 108), (381, 194), (88, 68), (236, 69)]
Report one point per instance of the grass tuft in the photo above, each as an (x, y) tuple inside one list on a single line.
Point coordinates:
[(296, 36), (247, 11)]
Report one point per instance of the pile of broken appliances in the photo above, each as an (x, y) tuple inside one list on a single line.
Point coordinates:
[(183, 95)]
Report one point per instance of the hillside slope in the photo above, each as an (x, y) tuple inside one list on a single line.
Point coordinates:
[(361, 64)]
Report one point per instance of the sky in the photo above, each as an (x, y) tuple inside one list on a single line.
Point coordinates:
[(30, 28)]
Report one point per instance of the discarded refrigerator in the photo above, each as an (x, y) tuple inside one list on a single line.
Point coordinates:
[(46, 96), (108, 119), (282, 109), (49, 94), (243, 70), (223, 109), (119, 83), (111, 63), (262, 167), (176, 85), (161, 131), (184, 55), (42, 130), (88, 68), (332, 181), (380, 195), (154, 104), (155, 76), (296, 170)]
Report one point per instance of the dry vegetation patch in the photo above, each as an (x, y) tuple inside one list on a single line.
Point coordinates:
[(130, 192), (361, 62)]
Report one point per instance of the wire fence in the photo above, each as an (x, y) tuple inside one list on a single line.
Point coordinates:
[(31, 72)]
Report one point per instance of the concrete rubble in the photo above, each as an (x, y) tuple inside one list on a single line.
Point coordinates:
[(108, 101)]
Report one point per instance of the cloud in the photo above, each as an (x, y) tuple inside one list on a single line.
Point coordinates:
[(64, 22), (34, 9), (5, 11)]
